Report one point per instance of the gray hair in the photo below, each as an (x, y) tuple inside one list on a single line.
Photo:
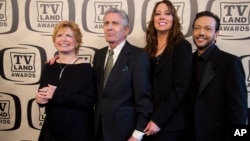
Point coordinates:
[(123, 14)]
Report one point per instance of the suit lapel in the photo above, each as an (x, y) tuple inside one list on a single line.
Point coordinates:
[(207, 77), (121, 62), (102, 59), (209, 72)]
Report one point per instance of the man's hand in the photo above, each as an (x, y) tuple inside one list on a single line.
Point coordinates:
[(151, 128), (53, 60)]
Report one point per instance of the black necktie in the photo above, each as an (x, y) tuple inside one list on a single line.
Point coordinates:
[(108, 67)]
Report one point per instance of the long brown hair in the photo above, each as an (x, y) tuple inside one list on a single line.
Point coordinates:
[(174, 35)]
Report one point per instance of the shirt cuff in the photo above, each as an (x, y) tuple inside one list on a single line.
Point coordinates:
[(138, 135)]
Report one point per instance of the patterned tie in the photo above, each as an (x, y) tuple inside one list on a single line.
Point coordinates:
[(108, 67)]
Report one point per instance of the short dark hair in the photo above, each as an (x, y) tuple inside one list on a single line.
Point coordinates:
[(208, 14)]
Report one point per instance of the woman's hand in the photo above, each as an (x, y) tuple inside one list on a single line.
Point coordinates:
[(45, 94)]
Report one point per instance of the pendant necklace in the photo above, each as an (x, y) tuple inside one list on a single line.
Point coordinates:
[(160, 50), (63, 68)]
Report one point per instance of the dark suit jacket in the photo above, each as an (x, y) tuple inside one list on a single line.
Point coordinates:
[(125, 103), (221, 102), (171, 81)]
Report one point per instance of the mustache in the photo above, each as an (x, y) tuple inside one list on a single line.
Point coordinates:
[(199, 36)]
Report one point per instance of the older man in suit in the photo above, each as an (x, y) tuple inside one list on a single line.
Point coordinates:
[(219, 96), (124, 92)]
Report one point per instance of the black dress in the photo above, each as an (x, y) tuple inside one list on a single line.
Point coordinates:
[(70, 113)]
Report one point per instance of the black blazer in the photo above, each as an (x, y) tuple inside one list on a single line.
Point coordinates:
[(221, 102), (125, 103), (70, 112), (171, 81)]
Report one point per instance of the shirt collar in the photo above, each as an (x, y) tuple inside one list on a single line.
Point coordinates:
[(118, 48), (207, 54)]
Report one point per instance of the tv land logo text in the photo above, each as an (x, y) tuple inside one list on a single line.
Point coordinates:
[(3, 17), (43, 16), (49, 13), (93, 10), (4, 112), (179, 6), (23, 64), (101, 7), (235, 16), (35, 115), (10, 112)]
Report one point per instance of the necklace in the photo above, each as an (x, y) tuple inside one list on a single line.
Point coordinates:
[(162, 47), (63, 68)]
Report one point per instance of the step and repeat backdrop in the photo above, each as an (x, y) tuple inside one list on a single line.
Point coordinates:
[(25, 44)]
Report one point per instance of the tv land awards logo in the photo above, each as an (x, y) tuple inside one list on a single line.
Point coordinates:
[(235, 20), (25, 64), (49, 12), (10, 112), (35, 115), (93, 11), (3, 11), (183, 7), (8, 18), (42, 16), (101, 7)]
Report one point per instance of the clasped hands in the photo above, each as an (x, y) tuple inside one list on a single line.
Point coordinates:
[(45, 94)]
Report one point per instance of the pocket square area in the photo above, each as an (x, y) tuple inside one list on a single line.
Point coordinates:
[(125, 68)]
